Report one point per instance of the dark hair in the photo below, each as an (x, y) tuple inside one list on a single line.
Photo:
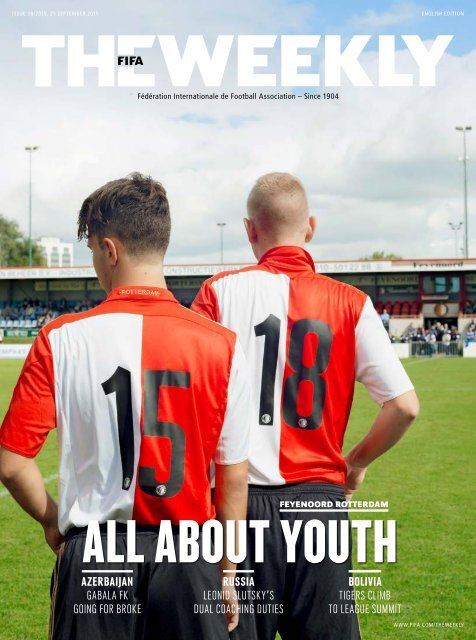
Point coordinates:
[(135, 209)]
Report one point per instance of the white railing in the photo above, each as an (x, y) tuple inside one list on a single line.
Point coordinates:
[(436, 349)]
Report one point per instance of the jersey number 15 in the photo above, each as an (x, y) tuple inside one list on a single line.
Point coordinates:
[(120, 384)]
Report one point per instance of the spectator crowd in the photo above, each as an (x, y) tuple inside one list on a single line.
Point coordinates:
[(437, 332), (471, 334), (34, 313), (437, 338), (469, 308)]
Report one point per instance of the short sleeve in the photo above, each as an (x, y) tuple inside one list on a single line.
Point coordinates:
[(31, 414), (206, 302), (233, 444), (377, 365)]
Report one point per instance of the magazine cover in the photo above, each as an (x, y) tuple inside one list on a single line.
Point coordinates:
[(237, 320)]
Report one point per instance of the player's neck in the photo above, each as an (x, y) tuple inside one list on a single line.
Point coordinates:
[(266, 246), (144, 275)]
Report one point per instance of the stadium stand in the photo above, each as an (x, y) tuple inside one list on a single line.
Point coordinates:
[(35, 313), (398, 308)]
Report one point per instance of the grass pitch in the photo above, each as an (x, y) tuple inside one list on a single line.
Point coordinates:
[(428, 480)]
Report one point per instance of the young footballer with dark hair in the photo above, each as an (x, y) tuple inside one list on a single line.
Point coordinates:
[(145, 395), (307, 339)]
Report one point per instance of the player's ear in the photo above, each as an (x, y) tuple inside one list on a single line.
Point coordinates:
[(311, 228), (250, 230), (112, 251)]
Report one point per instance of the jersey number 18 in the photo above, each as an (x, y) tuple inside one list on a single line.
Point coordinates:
[(309, 372)]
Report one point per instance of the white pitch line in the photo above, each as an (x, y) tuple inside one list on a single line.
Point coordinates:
[(420, 360), (47, 480)]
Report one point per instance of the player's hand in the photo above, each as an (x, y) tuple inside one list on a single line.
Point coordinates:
[(231, 604), (355, 477), (53, 537)]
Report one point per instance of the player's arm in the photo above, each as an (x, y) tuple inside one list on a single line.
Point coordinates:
[(231, 497), (206, 302), (231, 464), (30, 417), (24, 481), (380, 370), (390, 425)]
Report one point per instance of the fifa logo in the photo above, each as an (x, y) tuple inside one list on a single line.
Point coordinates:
[(129, 61)]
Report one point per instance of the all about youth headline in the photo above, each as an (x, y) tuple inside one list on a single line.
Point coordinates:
[(189, 541)]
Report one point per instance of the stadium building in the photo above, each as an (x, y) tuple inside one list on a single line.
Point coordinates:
[(57, 252), (417, 295)]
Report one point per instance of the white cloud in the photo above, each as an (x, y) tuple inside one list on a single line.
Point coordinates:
[(400, 13)]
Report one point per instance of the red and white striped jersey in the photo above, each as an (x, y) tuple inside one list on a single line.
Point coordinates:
[(145, 394), (306, 338)]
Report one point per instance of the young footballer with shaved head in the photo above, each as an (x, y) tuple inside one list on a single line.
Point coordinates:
[(307, 339), (145, 395)]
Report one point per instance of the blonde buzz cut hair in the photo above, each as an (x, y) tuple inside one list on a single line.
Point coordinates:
[(278, 201)]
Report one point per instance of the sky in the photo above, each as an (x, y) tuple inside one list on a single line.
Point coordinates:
[(380, 165)]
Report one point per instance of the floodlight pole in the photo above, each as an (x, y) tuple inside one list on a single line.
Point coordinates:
[(221, 225), (30, 248), (465, 158)]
